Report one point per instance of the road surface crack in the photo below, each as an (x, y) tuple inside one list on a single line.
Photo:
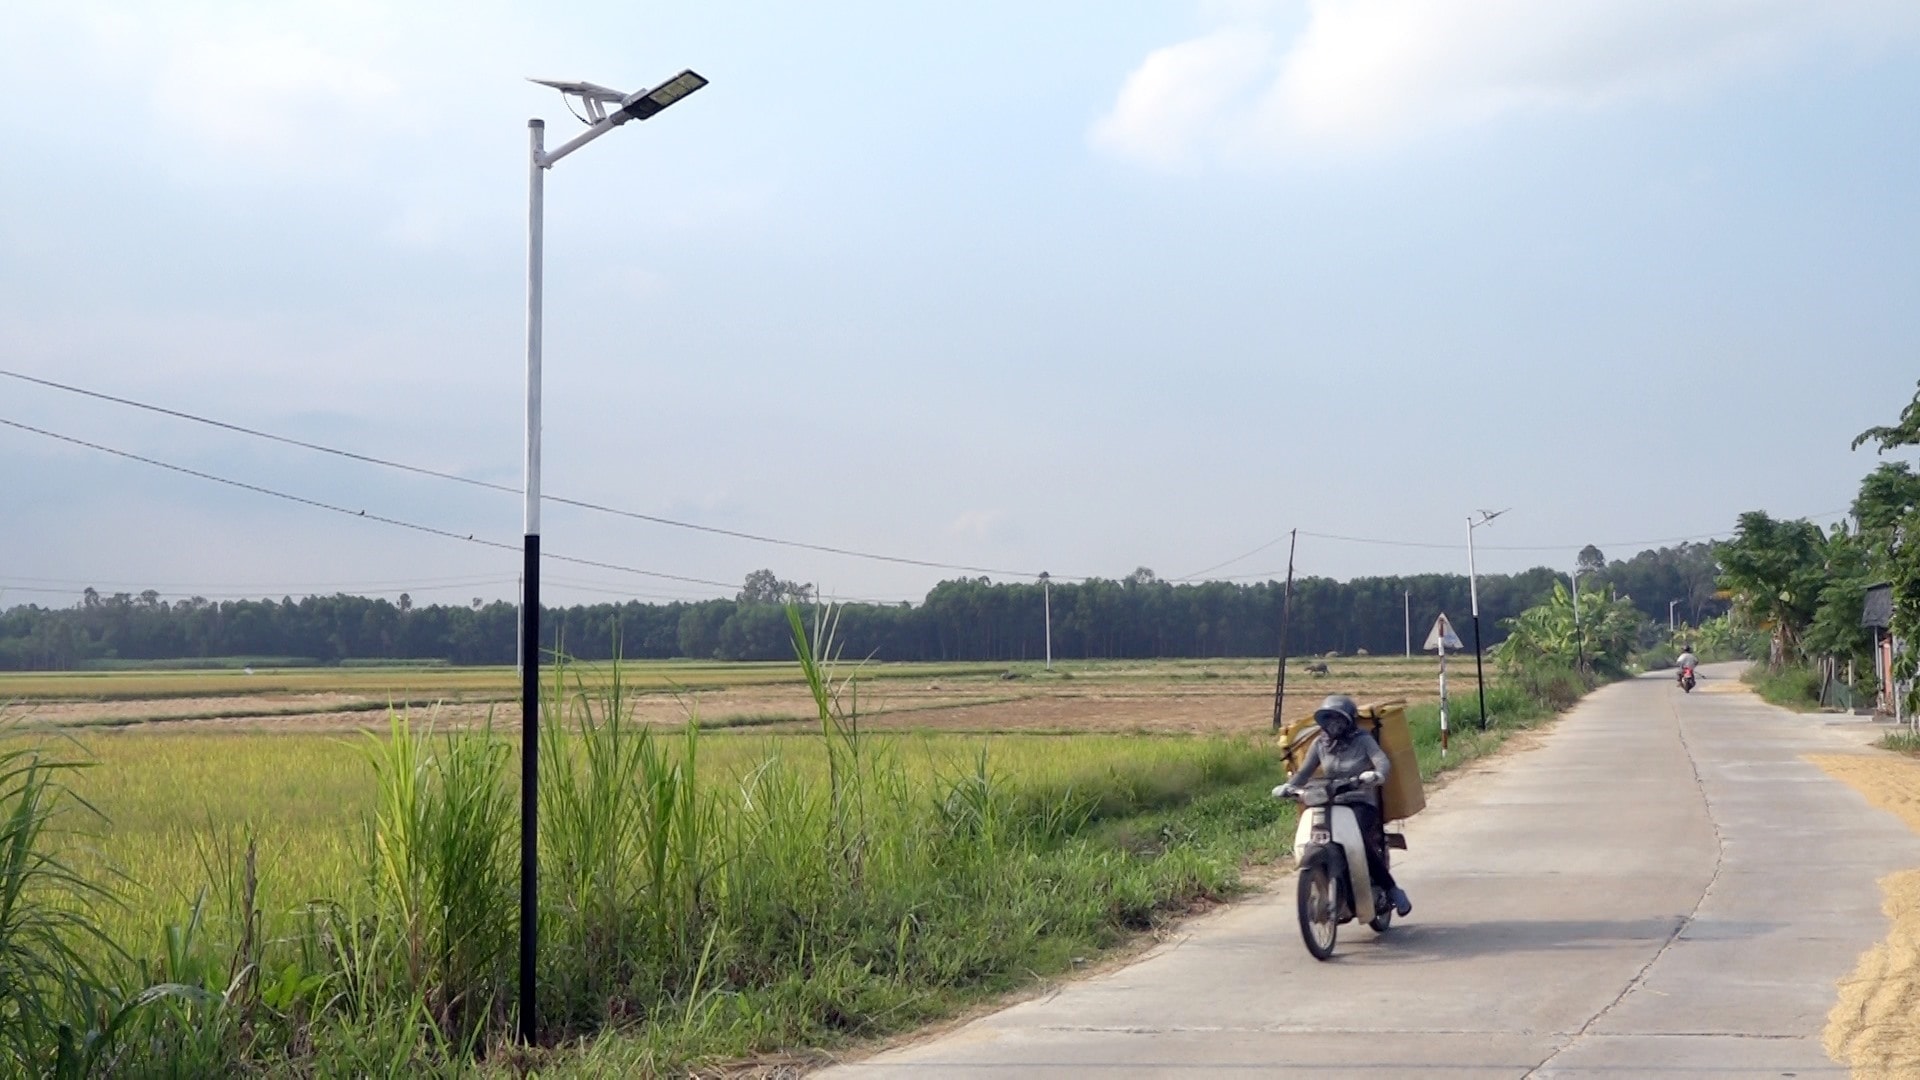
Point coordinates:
[(1719, 860)]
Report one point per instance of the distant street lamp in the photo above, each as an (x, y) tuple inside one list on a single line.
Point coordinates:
[(1046, 602), (595, 100), (1670, 605), (1473, 592), (1579, 643)]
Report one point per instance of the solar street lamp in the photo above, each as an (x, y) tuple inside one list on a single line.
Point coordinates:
[(595, 100), (1473, 591)]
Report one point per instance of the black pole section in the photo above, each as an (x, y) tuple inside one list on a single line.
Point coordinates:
[(1479, 673), (1286, 616), (529, 787)]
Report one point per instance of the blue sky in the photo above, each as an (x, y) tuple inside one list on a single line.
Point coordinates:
[(1074, 287)]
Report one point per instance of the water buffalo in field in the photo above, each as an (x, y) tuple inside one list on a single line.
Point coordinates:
[(1318, 667)]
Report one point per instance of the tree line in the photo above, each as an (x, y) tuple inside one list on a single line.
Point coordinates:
[(969, 619)]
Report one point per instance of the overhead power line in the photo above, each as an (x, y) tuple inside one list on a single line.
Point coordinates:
[(735, 533), (402, 585), (380, 518), (437, 474), (430, 530), (255, 594), (1236, 558)]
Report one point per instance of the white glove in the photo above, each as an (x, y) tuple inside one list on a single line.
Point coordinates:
[(1369, 777), (1285, 791)]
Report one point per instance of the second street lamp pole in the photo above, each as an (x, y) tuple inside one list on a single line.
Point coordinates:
[(1473, 591), (625, 107)]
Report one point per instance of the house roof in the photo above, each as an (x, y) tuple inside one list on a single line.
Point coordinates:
[(1878, 610)]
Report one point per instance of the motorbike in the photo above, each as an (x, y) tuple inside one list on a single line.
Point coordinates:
[(1332, 856), (1686, 678)]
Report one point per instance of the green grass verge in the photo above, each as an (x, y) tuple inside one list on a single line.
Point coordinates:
[(1905, 742), (1792, 687)]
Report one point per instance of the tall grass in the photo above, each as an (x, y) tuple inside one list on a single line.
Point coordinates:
[(441, 876), (704, 898), (48, 980)]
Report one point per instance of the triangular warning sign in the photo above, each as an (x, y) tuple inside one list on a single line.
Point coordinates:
[(1442, 634)]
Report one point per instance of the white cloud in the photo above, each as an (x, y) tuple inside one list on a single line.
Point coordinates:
[(1186, 96), (1374, 72)]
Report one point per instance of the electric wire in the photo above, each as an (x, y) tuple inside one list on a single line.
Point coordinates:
[(755, 537), (457, 582), (1236, 558), (582, 504), (223, 594), (430, 530)]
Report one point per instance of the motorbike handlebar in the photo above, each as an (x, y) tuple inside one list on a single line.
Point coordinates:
[(1333, 787)]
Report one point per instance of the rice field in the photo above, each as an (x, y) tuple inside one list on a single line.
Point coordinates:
[(1233, 696), (172, 806), (821, 874)]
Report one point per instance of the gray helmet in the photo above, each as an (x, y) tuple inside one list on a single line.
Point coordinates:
[(1338, 716)]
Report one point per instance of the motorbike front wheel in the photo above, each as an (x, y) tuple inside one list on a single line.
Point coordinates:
[(1319, 903)]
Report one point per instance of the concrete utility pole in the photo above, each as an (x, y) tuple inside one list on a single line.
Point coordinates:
[(1286, 614), (1046, 602)]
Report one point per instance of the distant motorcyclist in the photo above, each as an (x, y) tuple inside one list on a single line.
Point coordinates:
[(1347, 753), (1688, 661)]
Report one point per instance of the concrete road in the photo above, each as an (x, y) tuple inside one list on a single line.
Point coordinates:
[(1661, 887)]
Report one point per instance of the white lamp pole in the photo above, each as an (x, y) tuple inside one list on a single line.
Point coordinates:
[(635, 106), (1670, 605)]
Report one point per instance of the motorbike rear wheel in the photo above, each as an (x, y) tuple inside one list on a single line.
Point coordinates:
[(1319, 905)]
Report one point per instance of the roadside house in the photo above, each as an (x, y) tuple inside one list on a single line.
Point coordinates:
[(1877, 615)]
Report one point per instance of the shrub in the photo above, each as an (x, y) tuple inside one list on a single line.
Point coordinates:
[(1791, 687), (1657, 657)]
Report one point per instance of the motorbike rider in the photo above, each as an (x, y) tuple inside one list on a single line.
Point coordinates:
[(1688, 661), (1347, 753)]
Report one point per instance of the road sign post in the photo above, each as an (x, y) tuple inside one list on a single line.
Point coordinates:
[(1440, 639)]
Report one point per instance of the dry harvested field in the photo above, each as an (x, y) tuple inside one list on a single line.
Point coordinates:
[(1159, 697)]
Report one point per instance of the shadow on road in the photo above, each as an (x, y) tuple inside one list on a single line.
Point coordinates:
[(1435, 942)]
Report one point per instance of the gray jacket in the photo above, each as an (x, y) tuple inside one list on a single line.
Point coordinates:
[(1343, 761)]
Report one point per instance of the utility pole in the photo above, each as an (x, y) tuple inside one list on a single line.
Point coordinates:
[(1408, 600), (1286, 614), (1046, 602)]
